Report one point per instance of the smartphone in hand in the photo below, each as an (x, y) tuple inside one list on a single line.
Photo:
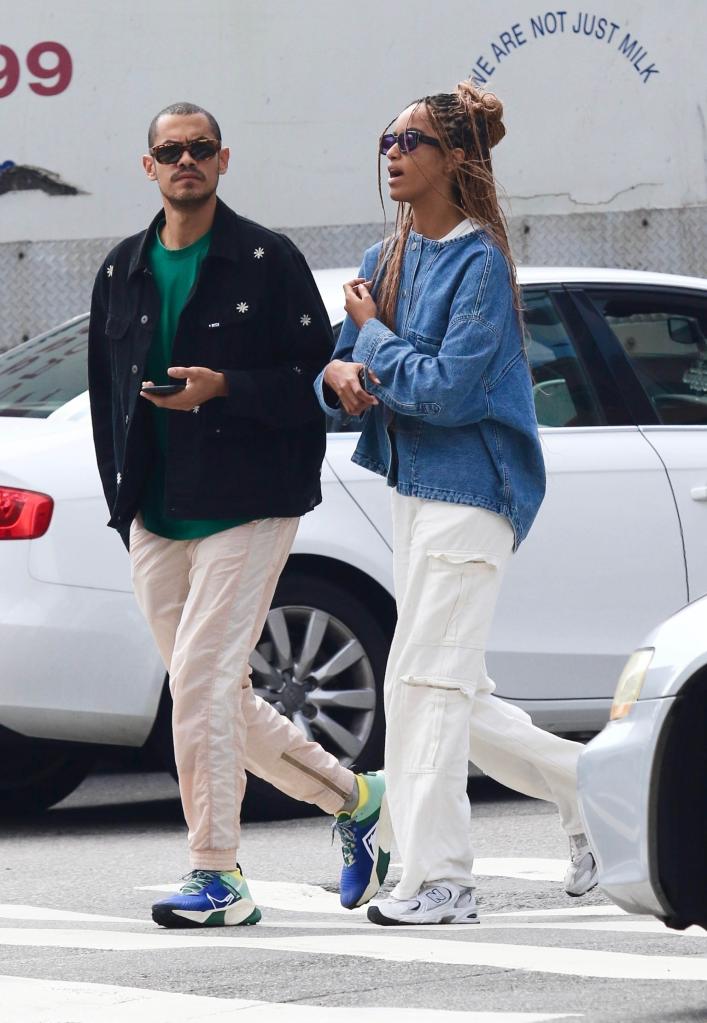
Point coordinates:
[(165, 389)]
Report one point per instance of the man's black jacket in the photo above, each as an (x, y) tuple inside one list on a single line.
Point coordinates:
[(254, 314)]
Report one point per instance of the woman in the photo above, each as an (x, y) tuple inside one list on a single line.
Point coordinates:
[(431, 356)]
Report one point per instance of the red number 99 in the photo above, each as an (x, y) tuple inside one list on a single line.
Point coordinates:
[(61, 69), (10, 74)]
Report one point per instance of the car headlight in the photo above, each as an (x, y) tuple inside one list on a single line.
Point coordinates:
[(630, 683)]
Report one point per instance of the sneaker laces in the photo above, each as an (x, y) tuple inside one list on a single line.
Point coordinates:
[(345, 831), (197, 880)]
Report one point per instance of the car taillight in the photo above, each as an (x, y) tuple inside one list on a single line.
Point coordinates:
[(24, 514)]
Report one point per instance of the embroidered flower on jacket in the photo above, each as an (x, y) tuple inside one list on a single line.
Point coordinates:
[(259, 253), (305, 320), (109, 270), (242, 307)]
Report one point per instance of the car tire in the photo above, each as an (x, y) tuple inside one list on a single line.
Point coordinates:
[(35, 774)]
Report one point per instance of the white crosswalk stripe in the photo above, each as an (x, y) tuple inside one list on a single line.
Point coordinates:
[(44, 1001), (612, 919), (386, 947)]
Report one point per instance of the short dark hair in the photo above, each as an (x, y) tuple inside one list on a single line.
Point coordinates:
[(182, 110)]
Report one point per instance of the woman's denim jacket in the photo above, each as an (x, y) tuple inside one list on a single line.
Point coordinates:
[(455, 387)]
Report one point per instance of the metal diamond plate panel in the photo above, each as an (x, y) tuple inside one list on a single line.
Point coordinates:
[(669, 241), (44, 283), (338, 245)]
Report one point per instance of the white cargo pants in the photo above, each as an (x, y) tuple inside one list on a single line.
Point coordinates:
[(206, 602), (440, 712)]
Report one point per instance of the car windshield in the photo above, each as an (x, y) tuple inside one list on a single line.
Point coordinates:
[(39, 376)]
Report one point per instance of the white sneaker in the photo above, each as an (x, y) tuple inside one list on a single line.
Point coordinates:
[(581, 874), (442, 903)]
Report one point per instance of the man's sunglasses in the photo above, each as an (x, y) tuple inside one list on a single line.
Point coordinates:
[(406, 140), (199, 149)]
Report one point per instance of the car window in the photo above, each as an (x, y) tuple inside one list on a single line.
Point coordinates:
[(562, 389), (664, 336), (39, 376)]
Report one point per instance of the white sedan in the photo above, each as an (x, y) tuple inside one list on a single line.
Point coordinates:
[(619, 365), (643, 780)]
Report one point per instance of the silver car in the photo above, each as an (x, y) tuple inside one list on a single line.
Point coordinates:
[(643, 779)]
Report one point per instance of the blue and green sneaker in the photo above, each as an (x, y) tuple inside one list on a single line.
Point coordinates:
[(208, 898), (365, 842)]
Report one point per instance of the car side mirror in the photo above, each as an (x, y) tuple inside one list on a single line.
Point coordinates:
[(684, 330)]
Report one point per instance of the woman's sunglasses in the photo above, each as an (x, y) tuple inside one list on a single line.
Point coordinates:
[(406, 140), (199, 149)]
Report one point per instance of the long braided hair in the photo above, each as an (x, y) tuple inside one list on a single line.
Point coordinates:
[(471, 120)]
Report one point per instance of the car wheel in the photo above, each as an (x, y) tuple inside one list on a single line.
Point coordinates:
[(321, 660), (35, 774)]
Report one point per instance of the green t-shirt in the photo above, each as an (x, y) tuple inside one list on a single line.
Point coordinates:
[(175, 272)]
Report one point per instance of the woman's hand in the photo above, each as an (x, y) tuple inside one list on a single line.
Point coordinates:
[(359, 305), (344, 378)]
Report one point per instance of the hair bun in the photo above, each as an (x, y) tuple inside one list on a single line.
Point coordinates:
[(484, 104)]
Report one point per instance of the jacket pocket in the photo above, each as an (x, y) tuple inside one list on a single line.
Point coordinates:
[(227, 335)]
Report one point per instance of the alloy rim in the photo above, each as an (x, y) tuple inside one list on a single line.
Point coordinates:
[(313, 669)]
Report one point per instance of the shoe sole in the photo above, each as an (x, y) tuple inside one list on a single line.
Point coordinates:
[(381, 860), (578, 895), (235, 916), (376, 917)]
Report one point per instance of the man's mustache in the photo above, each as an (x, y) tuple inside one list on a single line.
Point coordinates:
[(188, 174)]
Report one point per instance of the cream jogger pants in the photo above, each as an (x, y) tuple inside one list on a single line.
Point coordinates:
[(206, 602), (449, 562)]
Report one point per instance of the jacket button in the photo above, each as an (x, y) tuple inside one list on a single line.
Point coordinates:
[(144, 318), (133, 369), (414, 246)]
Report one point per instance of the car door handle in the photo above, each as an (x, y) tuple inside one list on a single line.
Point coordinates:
[(699, 493)]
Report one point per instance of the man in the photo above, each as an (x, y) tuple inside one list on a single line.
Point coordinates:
[(206, 486)]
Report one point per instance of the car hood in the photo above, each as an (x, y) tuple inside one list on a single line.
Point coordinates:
[(680, 644)]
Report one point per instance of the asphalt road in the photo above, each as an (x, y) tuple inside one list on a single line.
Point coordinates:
[(77, 944)]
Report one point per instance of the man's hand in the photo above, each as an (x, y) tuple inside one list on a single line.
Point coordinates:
[(202, 385), (344, 379), (358, 304)]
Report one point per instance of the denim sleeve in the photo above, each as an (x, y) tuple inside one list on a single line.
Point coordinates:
[(343, 350), (448, 389)]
